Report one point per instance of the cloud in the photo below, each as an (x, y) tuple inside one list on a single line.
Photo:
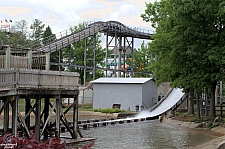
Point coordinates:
[(96, 13), (14, 10), (124, 9), (135, 20), (51, 17)]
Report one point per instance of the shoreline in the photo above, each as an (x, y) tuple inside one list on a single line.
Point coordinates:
[(212, 144)]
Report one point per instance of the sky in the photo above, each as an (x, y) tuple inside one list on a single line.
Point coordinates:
[(61, 14)]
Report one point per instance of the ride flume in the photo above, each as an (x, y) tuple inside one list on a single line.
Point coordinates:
[(171, 101)]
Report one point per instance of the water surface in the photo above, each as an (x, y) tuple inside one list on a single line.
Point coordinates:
[(145, 135)]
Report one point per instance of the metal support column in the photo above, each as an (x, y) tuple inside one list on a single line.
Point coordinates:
[(124, 57), (14, 115), (58, 111), (46, 114), (59, 60), (70, 58), (85, 57), (132, 62), (120, 56), (75, 118), (115, 55), (27, 109), (38, 117), (94, 61), (106, 55)]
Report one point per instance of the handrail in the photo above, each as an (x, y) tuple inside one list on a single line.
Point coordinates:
[(15, 78)]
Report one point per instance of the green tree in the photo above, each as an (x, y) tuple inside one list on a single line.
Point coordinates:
[(16, 36), (48, 37), (37, 30), (189, 43), (142, 60)]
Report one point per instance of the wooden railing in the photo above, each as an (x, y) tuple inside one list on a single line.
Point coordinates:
[(37, 79)]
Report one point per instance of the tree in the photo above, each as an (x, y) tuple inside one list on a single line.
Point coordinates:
[(189, 43), (37, 31), (142, 59), (16, 36), (75, 54), (48, 37)]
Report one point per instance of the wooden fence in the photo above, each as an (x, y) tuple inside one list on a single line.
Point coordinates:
[(37, 79), (15, 61)]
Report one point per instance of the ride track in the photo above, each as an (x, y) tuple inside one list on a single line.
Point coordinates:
[(110, 27)]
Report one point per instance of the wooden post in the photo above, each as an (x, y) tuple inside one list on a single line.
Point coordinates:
[(27, 109), (46, 114), (38, 117), (47, 66), (75, 118), (7, 57), (14, 115), (6, 115), (29, 58), (58, 111)]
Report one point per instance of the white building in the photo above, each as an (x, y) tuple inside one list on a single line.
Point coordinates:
[(132, 94)]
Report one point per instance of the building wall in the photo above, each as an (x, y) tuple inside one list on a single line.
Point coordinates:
[(127, 95), (149, 94)]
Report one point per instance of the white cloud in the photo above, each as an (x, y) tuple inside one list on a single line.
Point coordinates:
[(14, 10), (124, 9)]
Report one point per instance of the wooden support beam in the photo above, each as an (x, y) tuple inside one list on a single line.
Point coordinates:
[(37, 117), (46, 115), (58, 111), (29, 58), (24, 124), (27, 112), (7, 57), (6, 115), (46, 122), (75, 118), (14, 115)]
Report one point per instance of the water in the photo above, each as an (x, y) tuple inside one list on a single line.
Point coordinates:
[(145, 135)]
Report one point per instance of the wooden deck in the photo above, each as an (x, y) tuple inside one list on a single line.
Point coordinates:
[(19, 83)]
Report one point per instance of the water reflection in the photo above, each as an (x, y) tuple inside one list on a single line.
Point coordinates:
[(145, 135)]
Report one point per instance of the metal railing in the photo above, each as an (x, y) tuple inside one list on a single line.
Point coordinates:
[(68, 36)]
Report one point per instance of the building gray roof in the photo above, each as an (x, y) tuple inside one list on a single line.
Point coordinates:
[(121, 80)]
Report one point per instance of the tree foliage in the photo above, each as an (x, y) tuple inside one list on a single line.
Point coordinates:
[(189, 43), (16, 35), (142, 60), (48, 37), (37, 30)]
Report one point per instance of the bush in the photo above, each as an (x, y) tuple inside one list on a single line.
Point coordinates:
[(109, 110)]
